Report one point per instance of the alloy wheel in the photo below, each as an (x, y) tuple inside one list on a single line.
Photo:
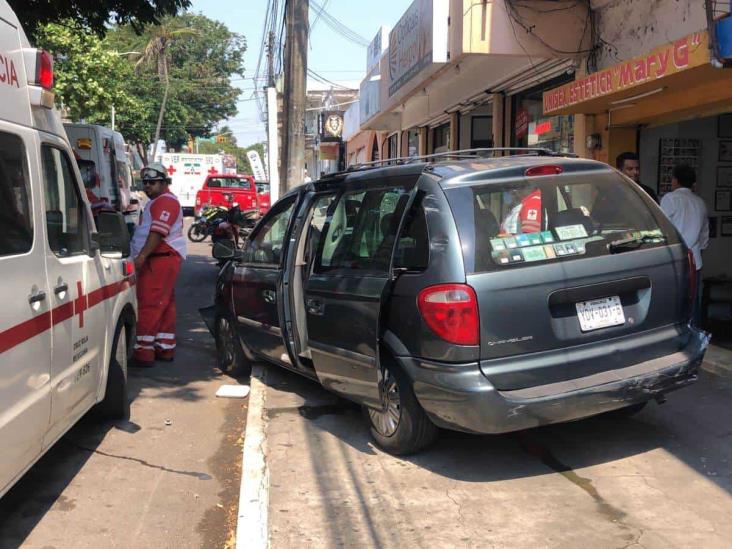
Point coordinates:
[(386, 420)]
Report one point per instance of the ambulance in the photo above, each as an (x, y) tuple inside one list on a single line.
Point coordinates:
[(68, 310), (188, 173)]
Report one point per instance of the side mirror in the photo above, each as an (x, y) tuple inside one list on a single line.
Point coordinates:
[(112, 234)]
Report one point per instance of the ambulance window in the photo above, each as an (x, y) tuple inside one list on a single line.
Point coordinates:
[(65, 212), (16, 226)]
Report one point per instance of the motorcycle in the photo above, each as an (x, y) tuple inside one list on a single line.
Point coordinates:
[(207, 222), (235, 228)]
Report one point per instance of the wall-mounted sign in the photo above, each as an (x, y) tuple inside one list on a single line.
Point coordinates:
[(417, 40), (331, 126), (521, 125), (686, 53), (376, 48), (369, 101)]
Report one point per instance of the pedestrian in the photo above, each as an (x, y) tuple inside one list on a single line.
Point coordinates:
[(688, 213), (629, 165), (158, 247)]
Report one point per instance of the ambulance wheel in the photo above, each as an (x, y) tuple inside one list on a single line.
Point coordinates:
[(230, 356), (116, 405), (196, 233)]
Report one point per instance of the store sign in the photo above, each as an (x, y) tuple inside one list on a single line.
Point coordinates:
[(376, 48), (369, 101), (521, 126), (255, 162), (418, 40), (686, 53), (331, 126)]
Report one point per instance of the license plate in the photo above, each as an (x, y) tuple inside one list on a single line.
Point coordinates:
[(600, 313)]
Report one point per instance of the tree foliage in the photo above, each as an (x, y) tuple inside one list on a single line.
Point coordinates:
[(92, 74), (95, 15)]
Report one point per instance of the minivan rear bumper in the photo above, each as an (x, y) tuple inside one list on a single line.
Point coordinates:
[(460, 397)]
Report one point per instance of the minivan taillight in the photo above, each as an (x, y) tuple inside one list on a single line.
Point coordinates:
[(451, 312), (692, 282)]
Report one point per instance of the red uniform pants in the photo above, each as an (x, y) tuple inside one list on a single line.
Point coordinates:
[(156, 308)]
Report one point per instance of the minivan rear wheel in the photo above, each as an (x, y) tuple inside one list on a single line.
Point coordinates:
[(400, 426)]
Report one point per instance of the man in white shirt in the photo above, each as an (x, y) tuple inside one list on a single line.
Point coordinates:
[(688, 213)]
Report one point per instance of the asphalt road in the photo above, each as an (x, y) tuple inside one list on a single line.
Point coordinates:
[(167, 478), (660, 479)]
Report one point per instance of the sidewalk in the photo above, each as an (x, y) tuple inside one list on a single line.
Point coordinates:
[(660, 479), (718, 360)]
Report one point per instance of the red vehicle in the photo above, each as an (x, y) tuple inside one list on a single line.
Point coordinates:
[(227, 190), (264, 197)]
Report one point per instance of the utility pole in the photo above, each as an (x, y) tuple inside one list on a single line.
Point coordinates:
[(273, 146), (296, 62)]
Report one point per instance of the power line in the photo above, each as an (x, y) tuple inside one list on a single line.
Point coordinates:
[(332, 22)]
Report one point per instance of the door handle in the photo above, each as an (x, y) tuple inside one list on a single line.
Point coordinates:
[(61, 289), (269, 296), (314, 306), (37, 297)]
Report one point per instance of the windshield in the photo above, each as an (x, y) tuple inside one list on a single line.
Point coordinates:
[(525, 222), (88, 171), (229, 182)]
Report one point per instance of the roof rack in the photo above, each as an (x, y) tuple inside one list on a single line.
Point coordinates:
[(455, 155)]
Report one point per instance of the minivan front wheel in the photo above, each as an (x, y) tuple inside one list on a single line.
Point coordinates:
[(229, 353), (400, 425)]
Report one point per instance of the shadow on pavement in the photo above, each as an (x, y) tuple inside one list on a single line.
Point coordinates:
[(688, 427)]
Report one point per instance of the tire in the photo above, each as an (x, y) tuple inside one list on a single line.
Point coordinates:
[(628, 411), (196, 233), (230, 357), (116, 404), (402, 427)]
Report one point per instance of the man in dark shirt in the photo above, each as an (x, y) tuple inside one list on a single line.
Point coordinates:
[(629, 164)]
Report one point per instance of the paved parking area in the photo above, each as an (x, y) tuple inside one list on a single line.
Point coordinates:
[(167, 478), (660, 479)]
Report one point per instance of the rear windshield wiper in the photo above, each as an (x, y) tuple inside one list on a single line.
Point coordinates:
[(626, 244)]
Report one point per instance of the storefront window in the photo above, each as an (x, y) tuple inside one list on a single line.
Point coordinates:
[(412, 143), (532, 129), (393, 144), (481, 132), (441, 138)]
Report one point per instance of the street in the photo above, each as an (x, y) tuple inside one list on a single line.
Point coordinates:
[(167, 478), (662, 478)]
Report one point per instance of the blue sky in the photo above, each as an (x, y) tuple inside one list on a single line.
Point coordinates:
[(330, 55)]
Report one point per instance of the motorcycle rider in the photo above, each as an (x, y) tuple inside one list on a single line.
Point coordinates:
[(158, 247)]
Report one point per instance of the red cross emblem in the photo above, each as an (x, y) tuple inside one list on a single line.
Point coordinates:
[(80, 304), (171, 170), (212, 171)]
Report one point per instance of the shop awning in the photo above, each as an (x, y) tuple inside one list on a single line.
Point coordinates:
[(673, 79)]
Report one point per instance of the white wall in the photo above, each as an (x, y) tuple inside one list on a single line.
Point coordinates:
[(717, 257), (635, 27)]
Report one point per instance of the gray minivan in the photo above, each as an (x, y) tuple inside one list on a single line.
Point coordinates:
[(478, 294)]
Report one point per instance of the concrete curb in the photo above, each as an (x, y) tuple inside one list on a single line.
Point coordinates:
[(718, 361), (251, 525)]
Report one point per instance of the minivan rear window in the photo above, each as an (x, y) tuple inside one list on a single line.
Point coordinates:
[(533, 221)]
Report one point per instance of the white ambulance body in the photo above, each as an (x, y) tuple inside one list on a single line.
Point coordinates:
[(188, 173), (107, 149), (68, 298)]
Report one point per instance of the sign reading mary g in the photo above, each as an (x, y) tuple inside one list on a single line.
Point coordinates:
[(417, 40)]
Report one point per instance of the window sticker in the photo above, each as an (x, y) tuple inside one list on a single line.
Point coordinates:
[(516, 256), (549, 251), (522, 240), (535, 253), (547, 237), (503, 257), (497, 244), (570, 232), (534, 238), (510, 243), (560, 250)]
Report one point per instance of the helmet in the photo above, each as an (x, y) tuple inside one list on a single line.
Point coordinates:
[(155, 171)]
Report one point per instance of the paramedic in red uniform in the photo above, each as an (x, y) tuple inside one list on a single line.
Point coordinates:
[(158, 247)]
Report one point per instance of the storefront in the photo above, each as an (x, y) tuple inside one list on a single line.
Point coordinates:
[(672, 107), (532, 128)]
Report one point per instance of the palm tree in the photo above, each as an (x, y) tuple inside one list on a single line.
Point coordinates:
[(155, 52)]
